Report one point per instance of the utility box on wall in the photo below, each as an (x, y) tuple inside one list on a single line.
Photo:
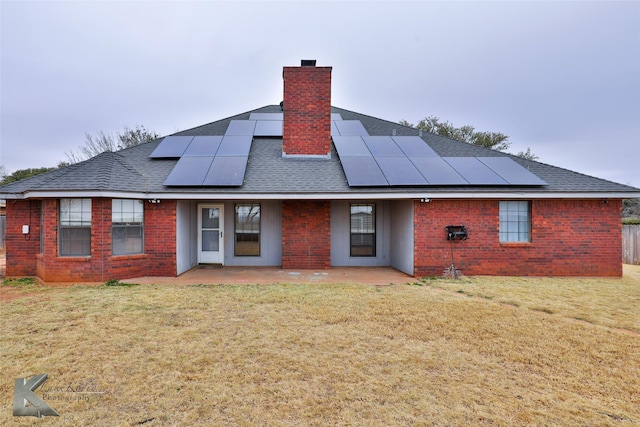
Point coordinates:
[(456, 232)]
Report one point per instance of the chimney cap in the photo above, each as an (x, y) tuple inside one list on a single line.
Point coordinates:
[(308, 62)]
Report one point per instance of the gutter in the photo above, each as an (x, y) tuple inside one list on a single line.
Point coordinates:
[(523, 195)]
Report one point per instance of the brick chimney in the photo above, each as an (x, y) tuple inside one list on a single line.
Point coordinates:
[(307, 111)]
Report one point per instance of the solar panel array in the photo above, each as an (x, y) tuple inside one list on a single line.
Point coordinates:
[(222, 160), (212, 161), (366, 160), (218, 160), (409, 161)]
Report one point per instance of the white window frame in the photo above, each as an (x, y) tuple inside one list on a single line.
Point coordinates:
[(515, 221), (127, 227), (74, 227)]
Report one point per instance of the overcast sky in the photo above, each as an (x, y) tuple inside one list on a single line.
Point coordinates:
[(562, 78)]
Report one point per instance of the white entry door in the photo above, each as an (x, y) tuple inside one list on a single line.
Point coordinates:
[(210, 234)]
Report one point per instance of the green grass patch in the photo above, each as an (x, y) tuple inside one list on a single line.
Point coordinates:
[(17, 282), (114, 282)]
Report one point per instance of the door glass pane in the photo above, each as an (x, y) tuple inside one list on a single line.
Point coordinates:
[(210, 240), (211, 218), (363, 230), (247, 230)]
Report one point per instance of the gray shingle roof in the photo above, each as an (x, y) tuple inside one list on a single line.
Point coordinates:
[(131, 170)]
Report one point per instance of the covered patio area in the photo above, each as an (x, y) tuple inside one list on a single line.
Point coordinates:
[(215, 275)]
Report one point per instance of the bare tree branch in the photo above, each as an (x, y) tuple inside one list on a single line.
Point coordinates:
[(103, 142)]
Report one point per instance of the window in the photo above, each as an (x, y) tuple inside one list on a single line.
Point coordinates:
[(127, 227), (515, 221), (247, 230), (75, 227), (363, 230)]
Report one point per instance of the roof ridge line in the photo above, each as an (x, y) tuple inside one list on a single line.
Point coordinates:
[(220, 120)]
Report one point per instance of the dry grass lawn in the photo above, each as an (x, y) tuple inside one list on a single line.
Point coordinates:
[(475, 351)]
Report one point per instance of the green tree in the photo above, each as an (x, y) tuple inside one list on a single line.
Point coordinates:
[(103, 141), (527, 155), (631, 208), (132, 137), (493, 140), (22, 174)]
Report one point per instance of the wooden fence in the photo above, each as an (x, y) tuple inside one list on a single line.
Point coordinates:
[(631, 244)]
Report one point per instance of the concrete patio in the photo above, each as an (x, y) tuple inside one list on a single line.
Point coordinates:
[(377, 276)]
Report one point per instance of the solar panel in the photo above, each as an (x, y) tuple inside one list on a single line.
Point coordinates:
[(437, 171), (235, 145), (474, 171), (363, 171), (351, 128), (400, 171), (203, 146), (226, 171), (268, 128), (511, 171), (334, 129), (265, 116), (241, 127), (350, 146), (189, 171), (336, 116), (171, 147), (414, 146), (382, 146)]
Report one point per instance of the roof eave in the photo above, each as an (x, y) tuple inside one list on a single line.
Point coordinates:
[(399, 195)]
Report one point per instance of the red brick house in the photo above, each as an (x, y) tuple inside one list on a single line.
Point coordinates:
[(304, 185)]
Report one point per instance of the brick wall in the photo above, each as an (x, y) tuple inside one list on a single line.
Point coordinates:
[(25, 259), (160, 238), (306, 234), (21, 249), (307, 111), (568, 238)]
